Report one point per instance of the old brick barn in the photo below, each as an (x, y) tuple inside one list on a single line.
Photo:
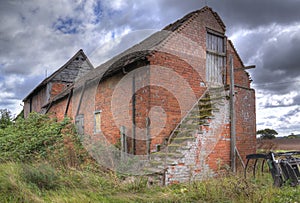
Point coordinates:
[(178, 104)]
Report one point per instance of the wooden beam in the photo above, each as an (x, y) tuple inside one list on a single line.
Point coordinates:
[(80, 99), (68, 102), (245, 68)]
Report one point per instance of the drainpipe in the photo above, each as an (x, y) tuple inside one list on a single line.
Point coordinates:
[(133, 115), (148, 140), (232, 118)]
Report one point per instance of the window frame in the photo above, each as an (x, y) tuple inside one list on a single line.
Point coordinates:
[(79, 120), (97, 124), (213, 54)]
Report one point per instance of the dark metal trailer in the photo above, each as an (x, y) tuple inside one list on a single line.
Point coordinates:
[(283, 166)]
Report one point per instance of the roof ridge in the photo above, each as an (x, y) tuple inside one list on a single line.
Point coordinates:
[(180, 23)]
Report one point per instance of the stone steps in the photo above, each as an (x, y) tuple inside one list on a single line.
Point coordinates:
[(201, 115)]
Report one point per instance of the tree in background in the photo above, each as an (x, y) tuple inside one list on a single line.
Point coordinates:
[(293, 136), (5, 118), (267, 133)]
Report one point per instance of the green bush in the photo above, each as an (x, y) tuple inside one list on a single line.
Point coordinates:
[(39, 137), (30, 138)]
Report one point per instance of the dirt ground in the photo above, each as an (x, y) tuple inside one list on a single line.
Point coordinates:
[(278, 144)]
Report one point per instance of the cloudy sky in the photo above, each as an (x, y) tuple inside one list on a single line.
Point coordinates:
[(37, 37)]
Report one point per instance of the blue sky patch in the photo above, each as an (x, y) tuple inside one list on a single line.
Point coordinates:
[(113, 34), (97, 11), (67, 25)]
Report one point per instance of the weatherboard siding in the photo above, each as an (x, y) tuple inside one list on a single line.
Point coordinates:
[(76, 69), (36, 101)]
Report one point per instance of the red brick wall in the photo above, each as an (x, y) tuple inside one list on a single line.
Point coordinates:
[(153, 95), (57, 88), (58, 109), (181, 67), (103, 99), (245, 121), (190, 41), (244, 107), (169, 94), (87, 107), (160, 128), (220, 155)]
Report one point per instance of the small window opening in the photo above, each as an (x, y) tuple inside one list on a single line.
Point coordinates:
[(97, 121), (79, 123)]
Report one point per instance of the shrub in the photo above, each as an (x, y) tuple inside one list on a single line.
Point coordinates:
[(31, 138), (39, 137)]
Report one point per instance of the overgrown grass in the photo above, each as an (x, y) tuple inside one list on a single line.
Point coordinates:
[(43, 161), (41, 182)]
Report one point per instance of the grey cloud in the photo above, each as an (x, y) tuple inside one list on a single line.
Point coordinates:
[(20, 87), (297, 99), (254, 13), (282, 57), (7, 102), (135, 14), (281, 101), (286, 118), (268, 124), (99, 55), (25, 88), (260, 123), (12, 94), (280, 65), (271, 117), (292, 113), (247, 13), (288, 129), (280, 104)]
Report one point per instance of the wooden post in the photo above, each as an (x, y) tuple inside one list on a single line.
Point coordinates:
[(232, 119), (123, 142), (80, 99), (68, 102)]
